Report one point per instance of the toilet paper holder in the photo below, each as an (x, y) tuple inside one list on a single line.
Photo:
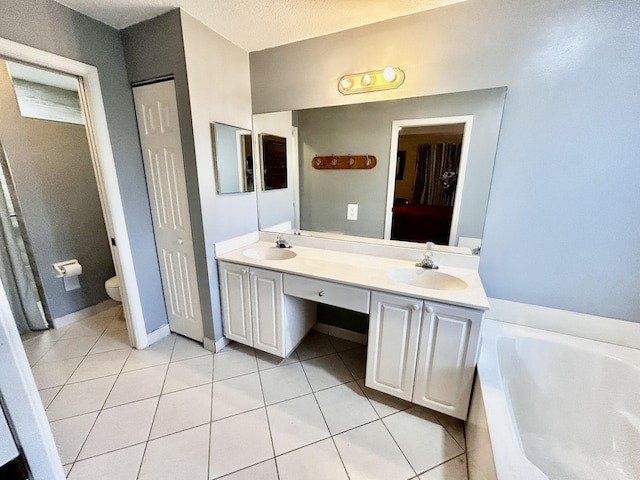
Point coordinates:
[(67, 268)]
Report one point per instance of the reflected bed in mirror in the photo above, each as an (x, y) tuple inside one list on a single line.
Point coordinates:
[(375, 128), (233, 158)]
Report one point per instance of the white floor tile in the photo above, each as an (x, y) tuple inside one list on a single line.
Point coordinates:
[(188, 373), (355, 360), (238, 442), (111, 340), (118, 323), (137, 385), (325, 372), (54, 374), (99, 365), (181, 456), (236, 395), (68, 348), (79, 398), (262, 471), (382, 403), (284, 383), (267, 361), (314, 345), (369, 453), (454, 469), (120, 427), (185, 348), (234, 363), (345, 407), (85, 328), (48, 394), (119, 465), (157, 354), (319, 461), (296, 423), (417, 427), (454, 426), (70, 433), (182, 410)]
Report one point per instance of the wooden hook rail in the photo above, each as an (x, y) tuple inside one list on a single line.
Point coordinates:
[(335, 162)]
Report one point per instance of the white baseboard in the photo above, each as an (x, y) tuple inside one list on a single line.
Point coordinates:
[(593, 327), (84, 313), (158, 334), (342, 333), (221, 343)]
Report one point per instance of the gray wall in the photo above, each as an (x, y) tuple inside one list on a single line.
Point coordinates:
[(366, 129), (562, 228), (56, 188), (49, 26)]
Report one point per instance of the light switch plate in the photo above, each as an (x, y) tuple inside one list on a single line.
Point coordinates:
[(352, 211)]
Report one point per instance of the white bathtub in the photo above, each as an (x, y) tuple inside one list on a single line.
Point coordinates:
[(558, 406)]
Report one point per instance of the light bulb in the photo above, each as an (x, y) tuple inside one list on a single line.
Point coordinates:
[(345, 83), (389, 74), (366, 79)]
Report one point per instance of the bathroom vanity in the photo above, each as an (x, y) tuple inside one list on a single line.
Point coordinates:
[(423, 324)]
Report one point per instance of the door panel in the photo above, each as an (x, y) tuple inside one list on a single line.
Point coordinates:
[(394, 326), (236, 303), (157, 113), (267, 311)]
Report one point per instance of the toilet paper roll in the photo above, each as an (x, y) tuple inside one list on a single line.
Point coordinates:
[(71, 283), (72, 270)]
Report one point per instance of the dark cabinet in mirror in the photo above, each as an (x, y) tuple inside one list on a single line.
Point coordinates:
[(274, 161), (233, 158)]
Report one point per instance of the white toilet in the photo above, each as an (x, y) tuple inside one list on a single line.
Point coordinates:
[(112, 286)]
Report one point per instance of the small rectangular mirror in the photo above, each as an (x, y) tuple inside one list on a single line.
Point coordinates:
[(232, 158), (274, 162)]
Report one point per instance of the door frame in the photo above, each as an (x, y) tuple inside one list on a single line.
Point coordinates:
[(105, 172), (398, 125)]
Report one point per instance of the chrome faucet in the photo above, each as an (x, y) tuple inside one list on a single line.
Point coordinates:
[(428, 261), (282, 243)]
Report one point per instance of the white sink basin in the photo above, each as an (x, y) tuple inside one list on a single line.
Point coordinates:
[(433, 279), (269, 253)]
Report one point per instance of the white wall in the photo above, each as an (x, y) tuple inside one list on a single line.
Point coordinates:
[(219, 91), (562, 228)]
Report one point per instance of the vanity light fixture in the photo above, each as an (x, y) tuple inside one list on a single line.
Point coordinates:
[(387, 79)]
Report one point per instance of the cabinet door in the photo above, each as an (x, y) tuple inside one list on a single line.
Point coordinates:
[(394, 325), (267, 311), (236, 303), (447, 358)]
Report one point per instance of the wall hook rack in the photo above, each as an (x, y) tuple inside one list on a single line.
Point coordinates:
[(336, 162)]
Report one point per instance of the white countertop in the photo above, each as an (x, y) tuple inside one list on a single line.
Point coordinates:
[(364, 271)]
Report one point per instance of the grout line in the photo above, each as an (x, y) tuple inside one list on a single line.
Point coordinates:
[(266, 413), (464, 448), (446, 461)]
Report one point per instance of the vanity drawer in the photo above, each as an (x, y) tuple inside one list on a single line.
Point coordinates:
[(338, 295)]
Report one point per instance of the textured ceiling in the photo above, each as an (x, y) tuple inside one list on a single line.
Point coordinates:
[(259, 24)]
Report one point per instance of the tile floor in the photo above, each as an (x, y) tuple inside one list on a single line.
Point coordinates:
[(176, 411)]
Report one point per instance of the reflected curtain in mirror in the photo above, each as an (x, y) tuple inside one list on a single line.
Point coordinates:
[(437, 172), (233, 158)]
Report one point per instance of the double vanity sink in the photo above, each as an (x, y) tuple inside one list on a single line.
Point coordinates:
[(423, 323)]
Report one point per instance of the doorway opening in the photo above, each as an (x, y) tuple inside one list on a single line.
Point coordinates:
[(426, 178), (104, 170)]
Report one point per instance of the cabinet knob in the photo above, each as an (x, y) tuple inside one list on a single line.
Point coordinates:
[(321, 293), (415, 307), (245, 271), (180, 242)]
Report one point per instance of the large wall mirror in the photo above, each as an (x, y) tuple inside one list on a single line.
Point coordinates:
[(435, 159), (233, 158)]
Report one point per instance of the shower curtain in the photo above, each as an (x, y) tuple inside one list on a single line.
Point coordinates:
[(15, 271), (433, 160)]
